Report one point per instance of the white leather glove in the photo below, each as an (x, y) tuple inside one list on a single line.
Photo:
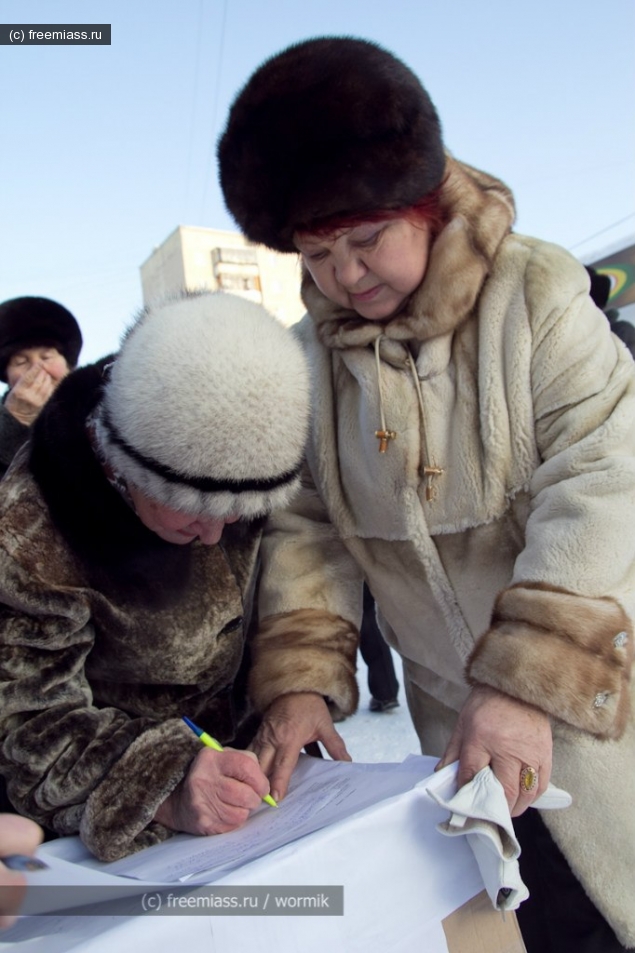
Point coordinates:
[(479, 811)]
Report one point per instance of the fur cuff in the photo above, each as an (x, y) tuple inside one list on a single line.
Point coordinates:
[(118, 819), (306, 651), (567, 654)]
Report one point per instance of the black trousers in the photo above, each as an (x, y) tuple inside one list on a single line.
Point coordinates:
[(558, 917), (382, 681)]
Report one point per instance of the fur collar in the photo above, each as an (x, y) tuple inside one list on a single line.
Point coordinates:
[(121, 555), (481, 212)]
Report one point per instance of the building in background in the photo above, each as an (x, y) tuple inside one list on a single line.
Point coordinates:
[(193, 259)]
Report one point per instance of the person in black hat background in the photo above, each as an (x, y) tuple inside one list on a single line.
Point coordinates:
[(472, 457), (129, 541), (601, 292), (40, 343), (624, 330)]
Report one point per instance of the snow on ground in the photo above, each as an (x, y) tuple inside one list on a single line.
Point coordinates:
[(379, 736)]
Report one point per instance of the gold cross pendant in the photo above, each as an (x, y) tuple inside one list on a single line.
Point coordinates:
[(384, 436), (429, 473)]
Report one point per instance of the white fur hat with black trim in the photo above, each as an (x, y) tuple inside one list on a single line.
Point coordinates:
[(206, 408)]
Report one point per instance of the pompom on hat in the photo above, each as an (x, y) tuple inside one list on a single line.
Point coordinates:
[(328, 127), (37, 322), (206, 407)]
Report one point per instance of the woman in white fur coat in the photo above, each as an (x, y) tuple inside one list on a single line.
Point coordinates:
[(471, 458)]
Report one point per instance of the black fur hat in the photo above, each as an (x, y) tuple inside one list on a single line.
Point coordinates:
[(37, 322), (328, 127)]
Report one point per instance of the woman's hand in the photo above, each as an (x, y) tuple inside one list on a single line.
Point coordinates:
[(509, 735), (18, 835), (216, 795), (290, 722), (27, 397)]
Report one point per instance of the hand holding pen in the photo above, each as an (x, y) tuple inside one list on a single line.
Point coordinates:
[(210, 742), (218, 793)]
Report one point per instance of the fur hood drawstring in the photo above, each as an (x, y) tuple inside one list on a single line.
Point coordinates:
[(383, 434), (430, 470)]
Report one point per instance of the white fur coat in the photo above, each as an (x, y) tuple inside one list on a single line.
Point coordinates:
[(519, 574)]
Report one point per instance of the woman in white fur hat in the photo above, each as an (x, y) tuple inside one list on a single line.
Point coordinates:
[(471, 458), (129, 534)]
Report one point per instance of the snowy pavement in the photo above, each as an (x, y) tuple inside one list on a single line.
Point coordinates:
[(379, 736)]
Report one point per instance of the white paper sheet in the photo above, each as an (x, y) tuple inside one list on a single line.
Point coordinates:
[(320, 794), (67, 884), (101, 934), (400, 879)]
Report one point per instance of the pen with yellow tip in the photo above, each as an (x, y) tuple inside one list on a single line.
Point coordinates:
[(213, 743)]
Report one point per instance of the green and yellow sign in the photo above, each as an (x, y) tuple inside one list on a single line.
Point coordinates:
[(620, 267)]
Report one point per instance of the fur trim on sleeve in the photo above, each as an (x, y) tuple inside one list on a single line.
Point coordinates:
[(567, 654), (307, 650), (118, 819)]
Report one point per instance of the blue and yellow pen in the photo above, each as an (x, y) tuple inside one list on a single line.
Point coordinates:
[(213, 743)]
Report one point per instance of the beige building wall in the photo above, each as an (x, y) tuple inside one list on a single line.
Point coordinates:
[(194, 258)]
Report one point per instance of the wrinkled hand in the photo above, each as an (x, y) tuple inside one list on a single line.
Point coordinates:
[(27, 397), (290, 722), (507, 734), (18, 835), (216, 795)]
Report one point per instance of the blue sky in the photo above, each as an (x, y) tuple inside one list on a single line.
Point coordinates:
[(105, 150)]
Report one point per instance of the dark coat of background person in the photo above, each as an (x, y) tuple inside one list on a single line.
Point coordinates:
[(601, 292)]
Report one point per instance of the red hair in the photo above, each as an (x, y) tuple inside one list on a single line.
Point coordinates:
[(427, 210)]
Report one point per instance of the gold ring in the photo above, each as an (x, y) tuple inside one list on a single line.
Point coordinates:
[(528, 778)]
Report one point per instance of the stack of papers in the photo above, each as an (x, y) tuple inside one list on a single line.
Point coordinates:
[(374, 837), (320, 794)]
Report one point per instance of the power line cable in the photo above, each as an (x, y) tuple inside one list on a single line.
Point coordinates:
[(197, 63), (212, 149), (602, 231)]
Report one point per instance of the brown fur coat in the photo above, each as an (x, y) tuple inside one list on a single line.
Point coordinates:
[(108, 636)]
